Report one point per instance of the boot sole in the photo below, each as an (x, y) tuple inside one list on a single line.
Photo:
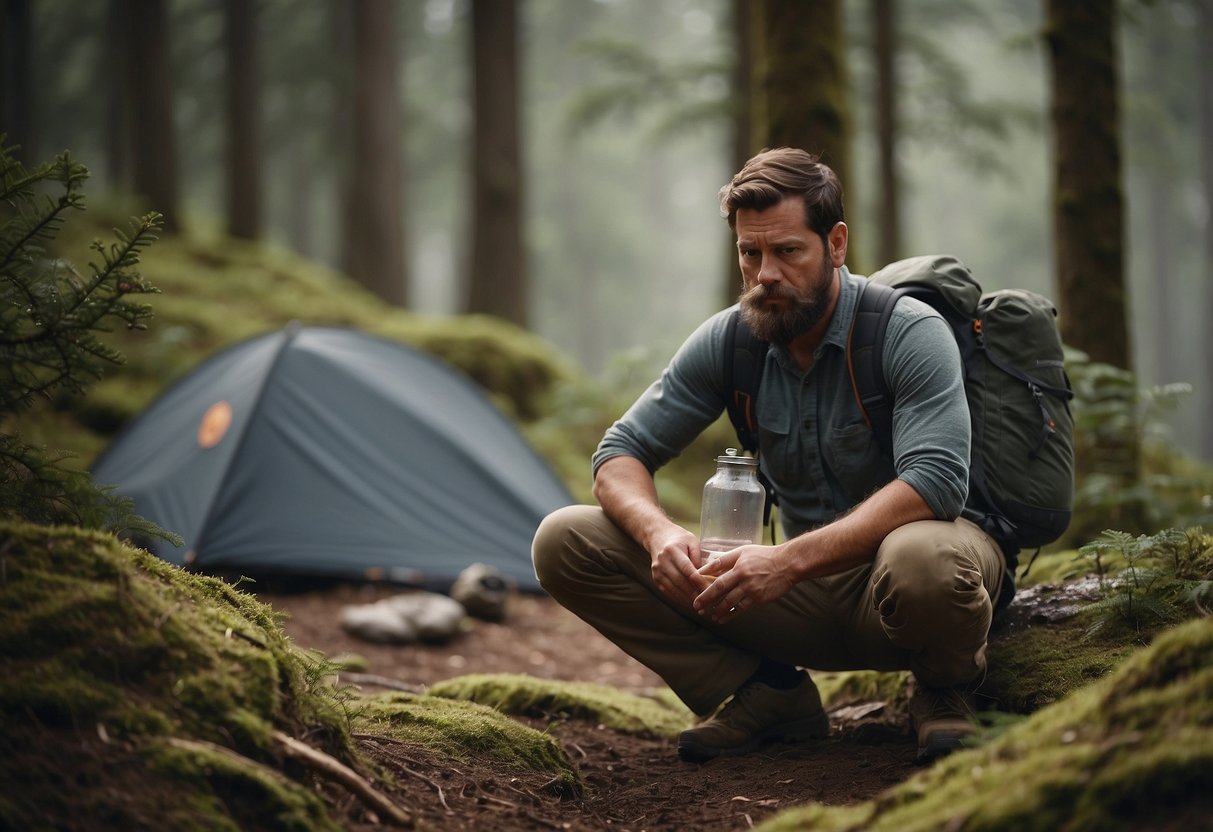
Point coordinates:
[(814, 728)]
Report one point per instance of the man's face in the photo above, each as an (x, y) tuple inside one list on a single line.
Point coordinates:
[(786, 271)]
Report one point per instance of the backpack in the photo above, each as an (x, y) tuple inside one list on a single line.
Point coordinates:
[(1021, 472)]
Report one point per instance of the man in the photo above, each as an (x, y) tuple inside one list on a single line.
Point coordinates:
[(877, 571)]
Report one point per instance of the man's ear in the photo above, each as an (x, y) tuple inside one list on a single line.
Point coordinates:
[(837, 241)]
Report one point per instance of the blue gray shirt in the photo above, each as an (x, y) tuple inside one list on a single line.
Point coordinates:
[(814, 446)]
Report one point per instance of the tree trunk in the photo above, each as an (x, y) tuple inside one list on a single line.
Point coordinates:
[(373, 244), (244, 187), (1088, 234), (153, 137), (1158, 172), (1088, 201), (743, 130), (800, 80), (16, 99), (118, 120), (1205, 85), (884, 48), (497, 284)]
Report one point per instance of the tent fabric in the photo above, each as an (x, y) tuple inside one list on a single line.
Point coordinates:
[(328, 452)]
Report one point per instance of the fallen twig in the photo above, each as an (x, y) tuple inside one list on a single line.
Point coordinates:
[(435, 786), (334, 769)]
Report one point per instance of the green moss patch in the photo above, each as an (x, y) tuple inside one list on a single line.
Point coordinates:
[(1132, 751), (847, 687), (1037, 666), (462, 729), (548, 698), (155, 683)]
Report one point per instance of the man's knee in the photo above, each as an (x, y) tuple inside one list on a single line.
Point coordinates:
[(921, 564), (551, 546)]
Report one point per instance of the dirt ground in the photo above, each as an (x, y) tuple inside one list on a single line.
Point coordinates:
[(631, 783)]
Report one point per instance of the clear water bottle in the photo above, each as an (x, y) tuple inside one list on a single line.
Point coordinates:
[(733, 500)]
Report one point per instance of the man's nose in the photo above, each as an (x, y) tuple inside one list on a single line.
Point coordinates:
[(768, 271)]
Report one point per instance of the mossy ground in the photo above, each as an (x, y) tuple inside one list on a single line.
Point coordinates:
[(459, 729), (135, 694), (106, 653), (556, 700), (1132, 751)]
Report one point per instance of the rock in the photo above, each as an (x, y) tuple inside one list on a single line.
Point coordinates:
[(404, 618)]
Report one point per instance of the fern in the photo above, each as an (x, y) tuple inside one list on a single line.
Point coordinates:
[(1166, 578)]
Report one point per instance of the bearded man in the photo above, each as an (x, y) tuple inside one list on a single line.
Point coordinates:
[(877, 569)]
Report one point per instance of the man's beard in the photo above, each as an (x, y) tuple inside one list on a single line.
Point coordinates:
[(780, 325)]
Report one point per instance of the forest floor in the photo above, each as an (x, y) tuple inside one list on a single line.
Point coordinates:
[(631, 783)]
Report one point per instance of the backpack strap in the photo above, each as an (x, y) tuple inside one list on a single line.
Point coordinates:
[(865, 358), (745, 356)]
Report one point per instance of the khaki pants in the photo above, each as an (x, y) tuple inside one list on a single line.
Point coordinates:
[(924, 605)]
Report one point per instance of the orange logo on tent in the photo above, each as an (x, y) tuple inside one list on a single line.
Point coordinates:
[(215, 422)]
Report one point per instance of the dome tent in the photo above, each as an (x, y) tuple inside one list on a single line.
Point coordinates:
[(328, 452)]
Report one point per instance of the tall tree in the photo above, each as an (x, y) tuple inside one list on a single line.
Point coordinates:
[(1205, 85), (16, 101), (800, 80), (884, 58), (244, 183), (373, 239), (1088, 203), (741, 125), (1088, 216), (118, 120), (153, 139), (497, 284)]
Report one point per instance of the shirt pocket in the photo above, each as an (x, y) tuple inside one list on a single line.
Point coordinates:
[(780, 451), (856, 461)]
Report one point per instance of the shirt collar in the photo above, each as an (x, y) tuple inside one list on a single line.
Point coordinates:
[(844, 313)]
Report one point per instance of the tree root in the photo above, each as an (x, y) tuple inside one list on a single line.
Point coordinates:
[(333, 769)]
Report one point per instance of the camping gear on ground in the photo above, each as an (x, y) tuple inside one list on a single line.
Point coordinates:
[(731, 512), (1021, 477), (483, 591), (328, 452)]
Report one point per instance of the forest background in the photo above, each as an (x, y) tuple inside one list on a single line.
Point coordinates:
[(357, 134)]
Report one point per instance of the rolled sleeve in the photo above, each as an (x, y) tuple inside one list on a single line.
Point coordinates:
[(931, 426)]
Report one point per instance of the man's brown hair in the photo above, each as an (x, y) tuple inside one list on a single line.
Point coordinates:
[(775, 174)]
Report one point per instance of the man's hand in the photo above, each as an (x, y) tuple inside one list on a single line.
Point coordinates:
[(675, 559), (746, 577)]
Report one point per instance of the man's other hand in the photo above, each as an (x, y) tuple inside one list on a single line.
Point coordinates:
[(744, 578)]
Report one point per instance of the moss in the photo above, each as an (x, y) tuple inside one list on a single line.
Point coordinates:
[(860, 686), (1133, 750), (461, 729), (527, 695), (231, 792), (105, 647), (1037, 666)]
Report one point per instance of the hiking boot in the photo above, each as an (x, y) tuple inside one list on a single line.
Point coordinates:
[(757, 713), (944, 718)]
